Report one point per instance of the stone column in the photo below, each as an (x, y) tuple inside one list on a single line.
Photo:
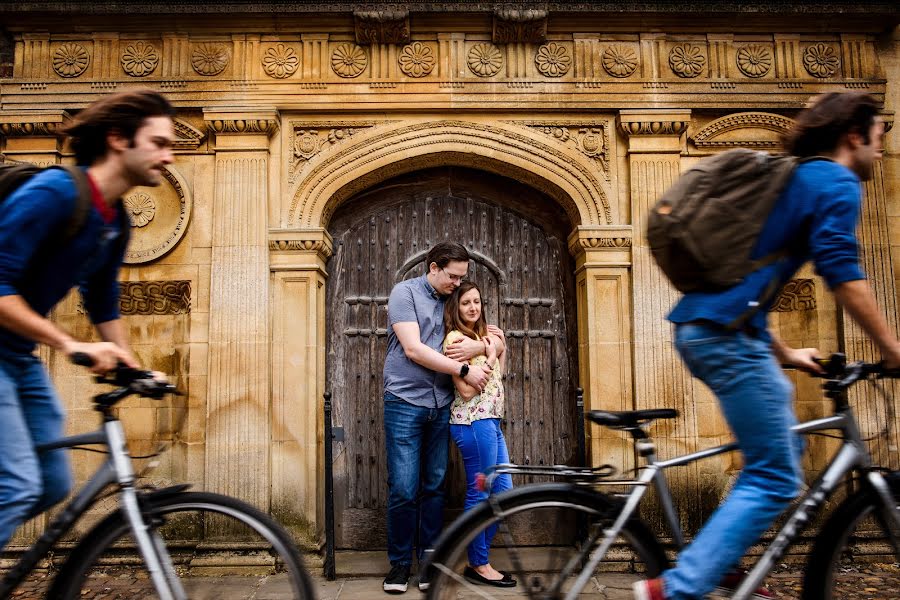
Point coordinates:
[(238, 419), (603, 299), (298, 259)]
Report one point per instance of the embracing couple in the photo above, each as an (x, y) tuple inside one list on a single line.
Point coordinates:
[(442, 377)]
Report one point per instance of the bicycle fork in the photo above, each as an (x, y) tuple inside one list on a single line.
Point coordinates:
[(149, 542)]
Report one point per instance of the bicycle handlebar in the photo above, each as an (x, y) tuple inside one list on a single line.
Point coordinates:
[(132, 381), (841, 374)]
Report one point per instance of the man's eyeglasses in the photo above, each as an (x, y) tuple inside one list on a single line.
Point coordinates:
[(454, 278)]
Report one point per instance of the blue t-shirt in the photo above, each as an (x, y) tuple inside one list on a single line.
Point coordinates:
[(416, 301), (816, 218), (33, 265)]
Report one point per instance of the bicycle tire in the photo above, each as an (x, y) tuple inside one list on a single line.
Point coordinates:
[(855, 524), (107, 562), (537, 567)]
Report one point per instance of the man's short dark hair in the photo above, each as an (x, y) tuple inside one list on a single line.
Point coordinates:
[(820, 127), (124, 113), (444, 253)]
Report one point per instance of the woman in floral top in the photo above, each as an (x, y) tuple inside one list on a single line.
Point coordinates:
[(475, 423)]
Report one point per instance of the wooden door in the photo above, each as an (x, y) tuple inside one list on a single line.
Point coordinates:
[(517, 238)]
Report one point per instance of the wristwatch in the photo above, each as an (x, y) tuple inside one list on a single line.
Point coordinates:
[(464, 370)]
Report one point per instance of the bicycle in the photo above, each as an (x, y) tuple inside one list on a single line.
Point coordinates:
[(602, 531), (158, 534)]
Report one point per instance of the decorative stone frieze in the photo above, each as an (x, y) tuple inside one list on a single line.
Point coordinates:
[(70, 60), (280, 61), (647, 127), (140, 59), (796, 295), (40, 125), (236, 125), (590, 138), (209, 59), (553, 60), (386, 26), (310, 138), (417, 59), (513, 25), (187, 137), (746, 130), (484, 60), (821, 60), (754, 60), (154, 297), (687, 60), (289, 247), (349, 61), (620, 60)]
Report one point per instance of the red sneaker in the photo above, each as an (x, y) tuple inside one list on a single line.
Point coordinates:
[(649, 589), (732, 581)]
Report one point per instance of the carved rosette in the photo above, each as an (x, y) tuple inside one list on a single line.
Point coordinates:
[(159, 216), (70, 60), (389, 26), (796, 295), (267, 126), (349, 60), (754, 60), (553, 60), (280, 61), (209, 59), (484, 60), (417, 60), (821, 60), (155, 297), (619, 60), (140, 59), (687, 60), (140, 209)]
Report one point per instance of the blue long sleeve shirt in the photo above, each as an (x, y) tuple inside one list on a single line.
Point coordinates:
[(815, 217), (35, 265)]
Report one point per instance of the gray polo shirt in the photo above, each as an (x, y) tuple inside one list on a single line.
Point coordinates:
[(414, 300)]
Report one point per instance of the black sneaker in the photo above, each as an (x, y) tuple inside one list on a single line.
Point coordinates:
[(397, 580), (423, 581)]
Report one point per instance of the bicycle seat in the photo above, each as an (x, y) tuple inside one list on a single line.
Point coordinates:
[(628, 419)]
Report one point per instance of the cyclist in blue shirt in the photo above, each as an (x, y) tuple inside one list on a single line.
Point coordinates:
[(122, 141)]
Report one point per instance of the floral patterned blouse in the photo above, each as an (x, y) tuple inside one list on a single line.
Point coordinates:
[(486, 405)]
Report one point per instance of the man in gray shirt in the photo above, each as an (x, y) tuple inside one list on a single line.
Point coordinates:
[(418, 390)]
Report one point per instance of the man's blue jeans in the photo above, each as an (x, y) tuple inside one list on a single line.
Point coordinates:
[(417, 442), (756, 399), (31, 414), (482, 446)]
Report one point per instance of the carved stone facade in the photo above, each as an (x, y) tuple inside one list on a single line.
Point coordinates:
[(282, 130)]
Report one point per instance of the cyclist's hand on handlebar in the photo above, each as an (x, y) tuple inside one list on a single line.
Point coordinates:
[(102, 357), (807, 359), (891, 359)]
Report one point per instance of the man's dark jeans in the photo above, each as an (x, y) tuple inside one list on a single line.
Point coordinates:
[(417, 441)]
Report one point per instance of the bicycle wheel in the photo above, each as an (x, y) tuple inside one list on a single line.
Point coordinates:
[(215, 542), (854, 536), (540, 530)]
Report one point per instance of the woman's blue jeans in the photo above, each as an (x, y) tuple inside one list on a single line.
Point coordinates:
[(482, 446), (31, 414), (757, 401)]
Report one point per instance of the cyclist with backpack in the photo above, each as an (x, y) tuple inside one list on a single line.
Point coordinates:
[(721, 334), (59, 229)]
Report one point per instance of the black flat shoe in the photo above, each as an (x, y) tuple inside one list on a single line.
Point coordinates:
[(473, 576)]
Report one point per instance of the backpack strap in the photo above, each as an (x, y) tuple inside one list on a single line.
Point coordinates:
[(83, 202)]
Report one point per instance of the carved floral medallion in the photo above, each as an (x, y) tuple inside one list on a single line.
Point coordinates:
[(349, 60), (209, 59), (553, 60), (821, 60), (619, 60), (484, 60), (687, 60), (140, 209), (754, 60), (417, 60), (280, 61), (140, 59), (70, 60), (159, 217)]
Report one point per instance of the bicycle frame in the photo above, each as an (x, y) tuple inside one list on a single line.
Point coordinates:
[(117, 469)]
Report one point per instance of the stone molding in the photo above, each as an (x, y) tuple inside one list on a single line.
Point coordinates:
[(747, 130), (590, 137), (312, 240), (381, 26), (242, 121), (640, 123), (588, 237), (519, 25), (32, 123)]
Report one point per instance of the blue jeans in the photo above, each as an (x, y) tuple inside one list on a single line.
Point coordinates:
[(756, 399), (482, 445), (417, 441), (31, 414)]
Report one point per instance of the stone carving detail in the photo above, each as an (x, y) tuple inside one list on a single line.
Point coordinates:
[(553, 60), (513, 26), (310, 139), (349, 60), (140, 59), (280, 61), (417, 60), (484, 60), (302, 245), (754, 60), (155, 297), (654, 127), (70, 60), (619, 60), (209, 59), (605, 242), (267, 126), (711, 136), (687, 60), (30, 128), (382, 26), (796, 295), (140, 209), (187, 137), (821, 60), (590, 140)]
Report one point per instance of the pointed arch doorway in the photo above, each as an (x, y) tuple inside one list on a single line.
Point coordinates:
[(517, 237)]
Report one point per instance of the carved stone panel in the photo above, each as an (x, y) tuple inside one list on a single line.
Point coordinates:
[(520, 26), (385, 26), (159, 219), (155, 297), (796, 295)]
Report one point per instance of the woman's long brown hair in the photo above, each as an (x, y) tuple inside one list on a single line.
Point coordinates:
[(452, 320)]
